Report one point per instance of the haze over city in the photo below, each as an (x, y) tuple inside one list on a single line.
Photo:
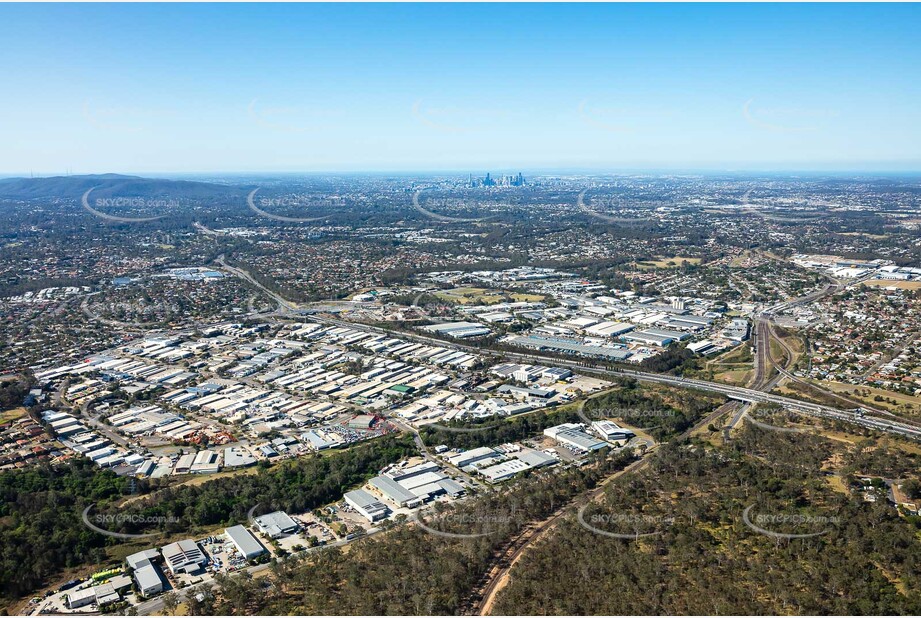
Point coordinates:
[(241, 88), (460, 309)]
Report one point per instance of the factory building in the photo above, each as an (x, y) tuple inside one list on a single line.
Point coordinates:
[(245, 542), (146, 575), (367, 505), (738, 330), (459, 330), (702, 347), (148, 580), (572, 435), (80, 598), (276, 524), (474, 457), (611, 431), (183, 556), (521, 462)]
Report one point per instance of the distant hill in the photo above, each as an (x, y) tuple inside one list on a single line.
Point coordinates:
[(110, 185)]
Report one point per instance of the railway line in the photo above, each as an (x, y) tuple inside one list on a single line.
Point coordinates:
[(738, 393), (484, 597)]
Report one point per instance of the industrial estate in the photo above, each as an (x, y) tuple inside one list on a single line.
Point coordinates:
[(655, 356)]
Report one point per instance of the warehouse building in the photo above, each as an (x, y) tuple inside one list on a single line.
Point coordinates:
[(611, 431), (361, 421), (525, 393), (522, 462), (458, 330), (367, 505), (276, 524), (237, 458), (245, 542), (738, 330), (572, 435), (205, 462), (504, 470), (183, 556), (105, 594), (414, 485), (395, 492), (610, 329), (688, 322), (81, 598), (474, 457), (148, 580), (702, 347), (648, 338), (569, 346)]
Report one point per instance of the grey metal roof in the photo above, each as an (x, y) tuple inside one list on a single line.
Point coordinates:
[(452, 487), (547, 343), (393, 490), (582, 439), (277, 519), (147, 577), (244, 540), (365, 500)]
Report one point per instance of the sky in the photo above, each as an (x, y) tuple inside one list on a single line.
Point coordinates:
[(460, 87)]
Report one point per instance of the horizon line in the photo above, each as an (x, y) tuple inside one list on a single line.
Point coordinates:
[(481, 170)]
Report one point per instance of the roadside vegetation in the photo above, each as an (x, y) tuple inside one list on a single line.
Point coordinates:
[(409, 570), (42, 533), (704, 559)]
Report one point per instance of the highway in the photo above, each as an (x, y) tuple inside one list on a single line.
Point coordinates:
[(750, 395), (738, 393), (485, 595)]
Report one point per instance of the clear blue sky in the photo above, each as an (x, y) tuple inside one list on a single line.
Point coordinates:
[(199, 88)]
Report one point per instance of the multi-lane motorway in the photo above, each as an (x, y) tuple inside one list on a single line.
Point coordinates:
[(751, 395), (732, 392)]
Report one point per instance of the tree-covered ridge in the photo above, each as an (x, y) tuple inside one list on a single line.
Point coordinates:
[(663, 412), (409, 570), (704, 559), (41, 527), (41, 532), (296, 485), (700, 558)]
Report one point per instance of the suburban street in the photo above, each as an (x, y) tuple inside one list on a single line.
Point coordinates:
[(748, 395)]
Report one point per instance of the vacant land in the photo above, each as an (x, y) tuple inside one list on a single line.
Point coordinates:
[(736, 377), (484, 296), (734, 366), (668, 262), (12, 415), (877, 397), (902, 285)]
